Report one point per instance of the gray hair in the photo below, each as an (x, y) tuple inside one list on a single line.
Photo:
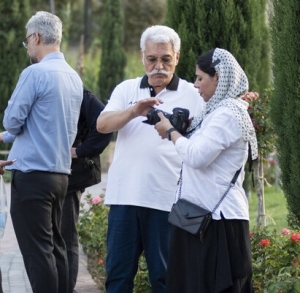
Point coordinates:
[(47, 25), (160, 34)]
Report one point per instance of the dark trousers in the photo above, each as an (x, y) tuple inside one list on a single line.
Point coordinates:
[(1, 290), (36, 204), (132, 230), (70, 215)]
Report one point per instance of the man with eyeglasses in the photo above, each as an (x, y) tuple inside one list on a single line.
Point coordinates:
[(42, 114), (143, 176)]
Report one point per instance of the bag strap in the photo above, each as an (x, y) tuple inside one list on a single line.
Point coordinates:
[(236, 175), (233, 180)]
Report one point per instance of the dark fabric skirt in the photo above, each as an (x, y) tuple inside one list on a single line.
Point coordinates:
[(222, 263)]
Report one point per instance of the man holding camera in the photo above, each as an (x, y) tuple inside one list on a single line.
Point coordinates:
[(144, 173)]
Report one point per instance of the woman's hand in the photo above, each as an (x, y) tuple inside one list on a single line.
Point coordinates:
[(163, 125)]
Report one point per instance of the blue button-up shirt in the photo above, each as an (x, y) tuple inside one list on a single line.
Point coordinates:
[(43, 113), (7, 137)]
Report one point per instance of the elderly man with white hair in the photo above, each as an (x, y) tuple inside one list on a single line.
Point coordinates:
[(145, 169)]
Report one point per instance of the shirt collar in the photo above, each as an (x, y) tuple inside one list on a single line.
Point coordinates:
[(172, 86), (53, 55)]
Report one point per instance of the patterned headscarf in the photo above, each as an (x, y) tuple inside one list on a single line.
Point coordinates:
[(232, 85)]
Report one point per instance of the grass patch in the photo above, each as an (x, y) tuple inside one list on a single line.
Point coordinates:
[(275, 208)]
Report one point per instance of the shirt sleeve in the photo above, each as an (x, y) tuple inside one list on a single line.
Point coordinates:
[(7, 137), (219, 131), (20, 102)]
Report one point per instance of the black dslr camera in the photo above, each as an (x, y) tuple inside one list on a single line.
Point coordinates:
[(179, 119)]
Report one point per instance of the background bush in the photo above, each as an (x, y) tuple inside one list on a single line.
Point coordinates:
[(92, 229)]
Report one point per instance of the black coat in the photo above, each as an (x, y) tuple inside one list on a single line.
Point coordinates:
[(89, 143)]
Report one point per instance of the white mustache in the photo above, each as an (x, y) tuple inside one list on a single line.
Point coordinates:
[(155, 71)]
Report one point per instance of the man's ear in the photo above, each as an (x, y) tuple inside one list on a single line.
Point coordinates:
[(142, 57), (37, 38), (177, 58)]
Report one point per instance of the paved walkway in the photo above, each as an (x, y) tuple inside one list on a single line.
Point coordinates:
[(14, 277)]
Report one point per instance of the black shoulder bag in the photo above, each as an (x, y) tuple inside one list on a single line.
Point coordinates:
[(193, 218)]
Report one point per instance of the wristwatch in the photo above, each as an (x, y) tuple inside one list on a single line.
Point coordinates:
[(168, 132)]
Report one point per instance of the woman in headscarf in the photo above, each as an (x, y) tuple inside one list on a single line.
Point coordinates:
[(215, 148)]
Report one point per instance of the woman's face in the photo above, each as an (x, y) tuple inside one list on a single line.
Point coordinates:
[(205, 84)]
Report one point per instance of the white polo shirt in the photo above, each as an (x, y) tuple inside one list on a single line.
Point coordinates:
[(145, 168)]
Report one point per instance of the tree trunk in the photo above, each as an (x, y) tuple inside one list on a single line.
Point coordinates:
[(259, 181), (52, 6), (87, 20)]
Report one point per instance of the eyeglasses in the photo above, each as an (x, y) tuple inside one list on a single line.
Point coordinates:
[(25, 41), (165, 59)]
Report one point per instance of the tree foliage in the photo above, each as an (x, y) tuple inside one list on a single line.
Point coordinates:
[(285, 102), (12, 53), (113, 59), (63, 11), (85, 20), (138, 15), (236, 25)]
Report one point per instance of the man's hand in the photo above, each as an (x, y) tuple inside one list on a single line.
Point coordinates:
[(114, 120), (73, 153), (3, 164), (142, 107)]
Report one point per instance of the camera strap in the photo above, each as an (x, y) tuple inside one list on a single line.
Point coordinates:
[(190, 132)]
